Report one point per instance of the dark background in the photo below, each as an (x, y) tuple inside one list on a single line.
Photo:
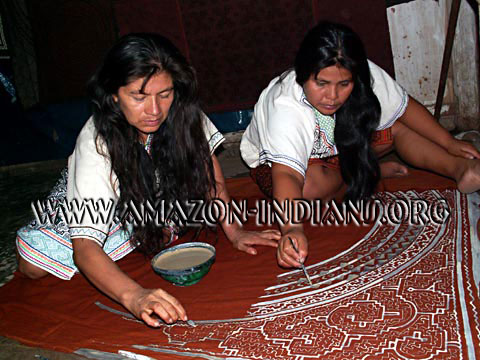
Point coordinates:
[(236, 46)]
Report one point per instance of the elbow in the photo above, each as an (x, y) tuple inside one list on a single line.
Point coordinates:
[(80, 247)]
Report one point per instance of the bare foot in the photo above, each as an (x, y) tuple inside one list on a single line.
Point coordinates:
[(392, 169), (469, 180)]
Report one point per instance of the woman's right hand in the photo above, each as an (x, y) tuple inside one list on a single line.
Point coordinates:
[(286, 254), (102, 271), (146, 303)]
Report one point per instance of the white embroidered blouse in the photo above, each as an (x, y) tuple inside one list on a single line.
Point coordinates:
[(90, 178), (286, 129)]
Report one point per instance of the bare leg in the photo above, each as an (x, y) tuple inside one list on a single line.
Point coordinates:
[(423, 153), (29, 270), (392, 169), (389, 169), (326, 184)]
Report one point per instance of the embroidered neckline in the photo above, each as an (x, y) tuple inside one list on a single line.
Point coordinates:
[(322, 118), (318, 115), (324, 139)]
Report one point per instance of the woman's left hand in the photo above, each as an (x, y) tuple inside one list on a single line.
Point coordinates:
[(246, 240), (462, 149)]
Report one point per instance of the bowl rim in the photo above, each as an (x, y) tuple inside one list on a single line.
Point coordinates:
[(178, 247)]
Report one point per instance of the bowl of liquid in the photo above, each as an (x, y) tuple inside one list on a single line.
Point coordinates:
[(184, 264)]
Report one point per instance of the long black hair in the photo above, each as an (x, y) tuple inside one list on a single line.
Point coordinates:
[(179, 166), (330, 44)]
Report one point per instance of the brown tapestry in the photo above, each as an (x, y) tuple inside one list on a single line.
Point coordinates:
[(236, 46)]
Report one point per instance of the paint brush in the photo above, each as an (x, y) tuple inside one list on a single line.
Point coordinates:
[(303, 266)]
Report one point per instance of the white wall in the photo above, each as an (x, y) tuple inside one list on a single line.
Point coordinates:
[(418, 32)]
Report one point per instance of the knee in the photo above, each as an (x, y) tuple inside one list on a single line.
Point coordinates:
[(398, 129), (29, 270)]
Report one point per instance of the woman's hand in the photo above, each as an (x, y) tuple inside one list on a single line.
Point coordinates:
[(145, 303), (286, 254), (241, 239), (246, 240), (462, 149), (108, 278)]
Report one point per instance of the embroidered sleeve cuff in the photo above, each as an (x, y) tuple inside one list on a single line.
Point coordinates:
[(267, 157), (88, 233), (215, 140), (398, 113)]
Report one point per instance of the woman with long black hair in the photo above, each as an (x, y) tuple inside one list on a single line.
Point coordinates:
[(319, 129), (147, 141)]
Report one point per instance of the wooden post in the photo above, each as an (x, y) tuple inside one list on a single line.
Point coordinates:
[(447, 53)]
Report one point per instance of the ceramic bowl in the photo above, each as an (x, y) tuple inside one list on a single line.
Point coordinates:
[(184, 264)]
